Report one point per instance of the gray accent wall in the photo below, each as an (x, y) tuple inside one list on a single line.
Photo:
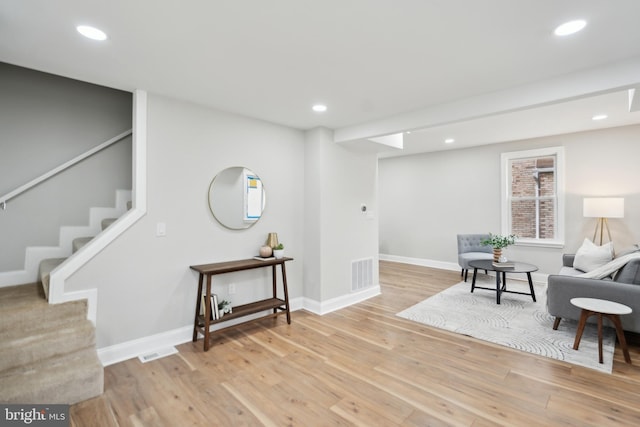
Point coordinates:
[(46, 120), (425, 200)]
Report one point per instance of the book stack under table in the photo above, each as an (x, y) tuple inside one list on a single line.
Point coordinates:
[(205, 316)]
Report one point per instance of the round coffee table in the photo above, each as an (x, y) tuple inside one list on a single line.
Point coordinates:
[(501, 273), (600, 307)]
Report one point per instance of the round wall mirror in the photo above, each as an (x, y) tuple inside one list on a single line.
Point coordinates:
[(237, 198)]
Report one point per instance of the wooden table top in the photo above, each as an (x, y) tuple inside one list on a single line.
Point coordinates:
[(237, 265)]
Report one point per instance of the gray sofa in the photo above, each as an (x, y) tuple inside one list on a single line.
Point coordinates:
[(623, 288)]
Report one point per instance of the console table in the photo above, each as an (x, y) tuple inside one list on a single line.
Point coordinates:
[(279, 306)]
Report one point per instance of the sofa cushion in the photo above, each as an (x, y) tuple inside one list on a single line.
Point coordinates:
[(568, 271), (630, 273), (591, 256), (464, 259)]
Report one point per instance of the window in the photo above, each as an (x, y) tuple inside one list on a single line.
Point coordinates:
[(533, 196), (253, 196)]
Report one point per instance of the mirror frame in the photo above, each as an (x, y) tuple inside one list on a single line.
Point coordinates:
[(246, 173)]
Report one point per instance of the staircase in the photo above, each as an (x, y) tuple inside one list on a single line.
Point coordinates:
[(48, 351), (49, 264)]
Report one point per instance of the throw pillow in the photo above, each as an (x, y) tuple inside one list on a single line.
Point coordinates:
[(591, 256)]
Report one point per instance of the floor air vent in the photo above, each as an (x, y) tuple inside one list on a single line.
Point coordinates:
[(361, 274), (148, 357)]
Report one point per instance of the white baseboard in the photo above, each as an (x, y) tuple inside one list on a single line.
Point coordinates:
[(442, 265), (343, 301), (132, 349)]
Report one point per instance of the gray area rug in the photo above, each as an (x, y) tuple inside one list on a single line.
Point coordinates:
[(517, 322)]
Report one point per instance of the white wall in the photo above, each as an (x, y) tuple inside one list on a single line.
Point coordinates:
[(425, 200), (337, 181), (144, 283)]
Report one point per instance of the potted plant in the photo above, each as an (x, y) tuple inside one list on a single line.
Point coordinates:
[(224, 306), (498, 243), (278, 251)]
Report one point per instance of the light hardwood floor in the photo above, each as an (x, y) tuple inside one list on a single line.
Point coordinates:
[(363, 366)]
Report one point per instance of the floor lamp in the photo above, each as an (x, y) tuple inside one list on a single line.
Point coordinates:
[(603, 208)]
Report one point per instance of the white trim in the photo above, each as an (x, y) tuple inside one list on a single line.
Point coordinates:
[(442, 265), (130, 349), (535, 277), (505, 185), (60, 274), (324, 307)]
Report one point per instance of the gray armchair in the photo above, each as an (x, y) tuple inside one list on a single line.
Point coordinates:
[(623, 288), (470, 249)]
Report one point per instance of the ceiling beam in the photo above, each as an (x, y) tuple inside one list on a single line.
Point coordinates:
[(613, 77)]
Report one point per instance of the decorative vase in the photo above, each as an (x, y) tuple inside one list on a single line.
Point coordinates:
[(272, 240), (265, 251), (497, 253), (278, 253)]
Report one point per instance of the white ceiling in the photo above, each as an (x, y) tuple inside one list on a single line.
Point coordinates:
[(375, 63)]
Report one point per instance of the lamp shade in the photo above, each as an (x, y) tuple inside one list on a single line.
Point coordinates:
[(603, 207)]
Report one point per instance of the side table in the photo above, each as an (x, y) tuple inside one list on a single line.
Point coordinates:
[(599, 307)]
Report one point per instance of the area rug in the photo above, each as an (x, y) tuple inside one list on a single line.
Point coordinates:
[(517, 322)]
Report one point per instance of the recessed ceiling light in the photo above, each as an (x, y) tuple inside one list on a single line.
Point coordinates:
[(319, 108), (599, 117), (449, 141), (570, 27), (91, 32)]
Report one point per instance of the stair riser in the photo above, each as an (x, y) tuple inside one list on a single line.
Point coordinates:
[(19, 350), (68, 379), (39, 316)]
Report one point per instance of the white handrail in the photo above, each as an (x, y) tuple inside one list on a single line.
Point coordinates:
[(66, 165)]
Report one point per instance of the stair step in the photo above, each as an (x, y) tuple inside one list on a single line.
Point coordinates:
[(25, 306), (107, 222), (79, 242), (46, 266), (20, 346), (64, 379)]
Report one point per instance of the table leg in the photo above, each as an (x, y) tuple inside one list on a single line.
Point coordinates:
[(286, 293), (207, 313), (273, 283), (498, 290), (473, 281), (581, 324), (599, 316), (615, 319), (533, 292), (198, 302)]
